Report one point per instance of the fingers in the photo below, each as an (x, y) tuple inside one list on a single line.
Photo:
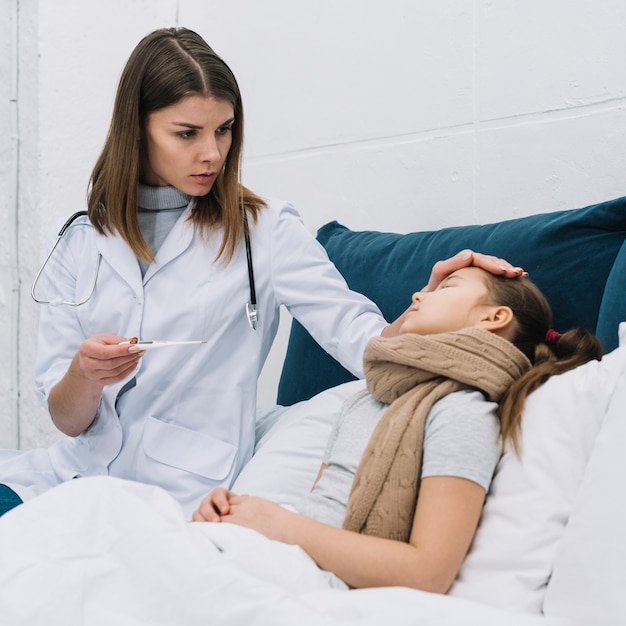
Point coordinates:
[(214, 506), (102, 359), (220, 500), (202, 515), (441, 269), (465, 258), (497, 266), (108, 371)]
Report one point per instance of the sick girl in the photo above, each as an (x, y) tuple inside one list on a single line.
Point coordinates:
[(405, 474)]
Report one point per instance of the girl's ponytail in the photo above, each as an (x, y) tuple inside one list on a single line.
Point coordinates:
[(550, 353), (558, 354)]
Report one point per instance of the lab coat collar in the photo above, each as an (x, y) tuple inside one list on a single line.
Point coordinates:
[(121, 258)]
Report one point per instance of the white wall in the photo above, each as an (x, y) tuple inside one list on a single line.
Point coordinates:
[(403, 115)]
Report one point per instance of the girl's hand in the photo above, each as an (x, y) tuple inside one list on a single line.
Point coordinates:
[(268, 518), (213, 506), (264, 516)]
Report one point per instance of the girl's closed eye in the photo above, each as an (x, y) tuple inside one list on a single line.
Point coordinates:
[(450, 281)]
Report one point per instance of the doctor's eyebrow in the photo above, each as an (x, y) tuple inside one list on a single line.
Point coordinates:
[(197, 127), (187, 125)]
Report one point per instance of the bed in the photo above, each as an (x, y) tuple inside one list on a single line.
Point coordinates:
[(550, 548)]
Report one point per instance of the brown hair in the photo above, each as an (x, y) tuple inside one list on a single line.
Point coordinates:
[(533, 320), (166, 66)]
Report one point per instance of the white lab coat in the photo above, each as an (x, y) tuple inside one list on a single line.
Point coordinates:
[(185, 419)]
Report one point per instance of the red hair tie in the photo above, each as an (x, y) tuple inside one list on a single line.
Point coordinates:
[(551, 336)]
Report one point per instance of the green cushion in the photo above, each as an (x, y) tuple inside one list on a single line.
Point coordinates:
[(576, 257)]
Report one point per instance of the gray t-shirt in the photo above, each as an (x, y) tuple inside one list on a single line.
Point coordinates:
[(461, 438)]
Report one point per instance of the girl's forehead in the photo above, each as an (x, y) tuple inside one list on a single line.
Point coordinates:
[(467, 273), (471, 276), (473, 272)]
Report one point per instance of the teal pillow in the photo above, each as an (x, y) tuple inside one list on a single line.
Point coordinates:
[(576, 257)]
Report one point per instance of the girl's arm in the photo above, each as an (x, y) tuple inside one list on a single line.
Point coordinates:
[(445, 522)]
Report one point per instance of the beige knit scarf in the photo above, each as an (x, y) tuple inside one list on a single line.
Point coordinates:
[(410, 373)]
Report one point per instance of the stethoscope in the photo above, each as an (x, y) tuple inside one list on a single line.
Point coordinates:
[(251, 308)]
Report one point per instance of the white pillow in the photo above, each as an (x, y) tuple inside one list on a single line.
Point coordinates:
[(530, 500), (290, 444), (589, 576)]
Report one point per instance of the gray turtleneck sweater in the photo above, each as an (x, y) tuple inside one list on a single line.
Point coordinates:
[(158, 210)]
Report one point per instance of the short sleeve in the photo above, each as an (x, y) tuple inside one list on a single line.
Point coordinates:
[(462, 438)]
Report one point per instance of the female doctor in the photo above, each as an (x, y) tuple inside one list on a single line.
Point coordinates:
[(179, 250)]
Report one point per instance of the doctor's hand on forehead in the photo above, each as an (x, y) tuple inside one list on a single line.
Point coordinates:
[(465, 258)]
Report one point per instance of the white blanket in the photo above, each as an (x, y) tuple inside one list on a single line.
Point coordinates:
[(107, 552), (102, 551)]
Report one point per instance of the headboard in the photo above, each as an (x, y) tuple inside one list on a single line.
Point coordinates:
[(576, 257)]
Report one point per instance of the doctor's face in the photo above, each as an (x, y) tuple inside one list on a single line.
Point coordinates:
[(185, 144), (460, 301)]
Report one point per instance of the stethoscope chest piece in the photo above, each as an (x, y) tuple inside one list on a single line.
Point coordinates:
[(251, 314)]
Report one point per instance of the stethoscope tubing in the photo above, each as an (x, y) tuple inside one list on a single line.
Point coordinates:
[(251, 308), (57, 301), (251, 312)]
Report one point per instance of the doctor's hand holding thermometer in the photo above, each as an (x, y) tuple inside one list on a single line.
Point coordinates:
[(173, 247), (100, 361)]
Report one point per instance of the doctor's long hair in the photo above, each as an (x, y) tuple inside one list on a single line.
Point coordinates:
[(166, 66)]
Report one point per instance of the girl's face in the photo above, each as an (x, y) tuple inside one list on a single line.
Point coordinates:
[(460, 301), (186, 144)]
